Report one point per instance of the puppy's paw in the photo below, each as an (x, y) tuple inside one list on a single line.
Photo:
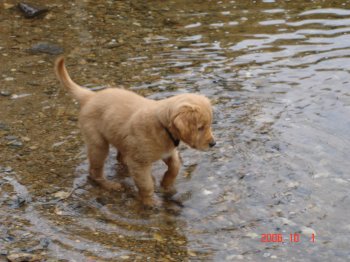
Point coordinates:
[(109, 185), (113, 186), (168, 191), (151, 202)]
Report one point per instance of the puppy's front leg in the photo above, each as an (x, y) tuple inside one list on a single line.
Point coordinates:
[(144, 182), (173, 163)]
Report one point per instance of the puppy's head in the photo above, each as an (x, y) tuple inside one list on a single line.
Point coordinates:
[(192, 122)]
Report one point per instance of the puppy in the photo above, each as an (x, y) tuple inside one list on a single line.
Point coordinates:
[(142, 130)]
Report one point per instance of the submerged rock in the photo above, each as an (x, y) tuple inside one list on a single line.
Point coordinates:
[(30, 11), (46, 48)]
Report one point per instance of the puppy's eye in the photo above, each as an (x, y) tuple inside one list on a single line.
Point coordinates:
[(200, 128)]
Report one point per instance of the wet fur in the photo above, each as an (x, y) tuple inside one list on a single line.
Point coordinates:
[(136, 127)]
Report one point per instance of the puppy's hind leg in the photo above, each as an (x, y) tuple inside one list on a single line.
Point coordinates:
[(173, 162), (97, 153)]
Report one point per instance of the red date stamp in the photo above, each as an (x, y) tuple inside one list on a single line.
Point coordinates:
[(280, 238)]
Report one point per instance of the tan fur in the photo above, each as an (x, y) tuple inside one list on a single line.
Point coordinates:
[(136, 126)]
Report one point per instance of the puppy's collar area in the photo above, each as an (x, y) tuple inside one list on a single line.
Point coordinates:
[(175, 141)]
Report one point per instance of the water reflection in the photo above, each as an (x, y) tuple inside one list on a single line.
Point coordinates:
[(278, 77)]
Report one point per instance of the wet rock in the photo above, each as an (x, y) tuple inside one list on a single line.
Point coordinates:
[(30, 11), (5, 93), (46, 48), (22, 257)]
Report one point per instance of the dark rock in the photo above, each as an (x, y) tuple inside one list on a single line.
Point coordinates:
[(30, 11), (46, 48), (18, 202)]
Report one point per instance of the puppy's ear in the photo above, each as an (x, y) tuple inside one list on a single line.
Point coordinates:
[(185, 123)]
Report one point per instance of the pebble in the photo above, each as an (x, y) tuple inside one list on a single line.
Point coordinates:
[(8, 6), (340, 181), (25, 139), (286, 221), (14, 96), (207, 192), (293, 184), (9, 79), (266, 254), (7, 169), (158, 237), (11, 137), (15, 143), (234, 257), (307, 231), (21, 257), (321, 175), (61, 194), (31, 11), (252, 235)]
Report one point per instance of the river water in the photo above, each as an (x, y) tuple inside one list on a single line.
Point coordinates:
[(277, 73)]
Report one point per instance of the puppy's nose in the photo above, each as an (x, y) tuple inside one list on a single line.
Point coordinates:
[(212, 143)]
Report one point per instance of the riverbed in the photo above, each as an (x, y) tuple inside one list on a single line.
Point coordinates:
[(276, 185)]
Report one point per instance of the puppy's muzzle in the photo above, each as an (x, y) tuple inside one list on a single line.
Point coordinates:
[(212, 143)]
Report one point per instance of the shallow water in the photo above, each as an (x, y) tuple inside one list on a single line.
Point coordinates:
[(278, 75)]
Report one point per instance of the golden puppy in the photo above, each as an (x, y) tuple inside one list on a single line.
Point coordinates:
[(142, 130)]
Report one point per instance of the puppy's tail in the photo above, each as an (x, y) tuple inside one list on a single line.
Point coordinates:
[(78, 92)]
